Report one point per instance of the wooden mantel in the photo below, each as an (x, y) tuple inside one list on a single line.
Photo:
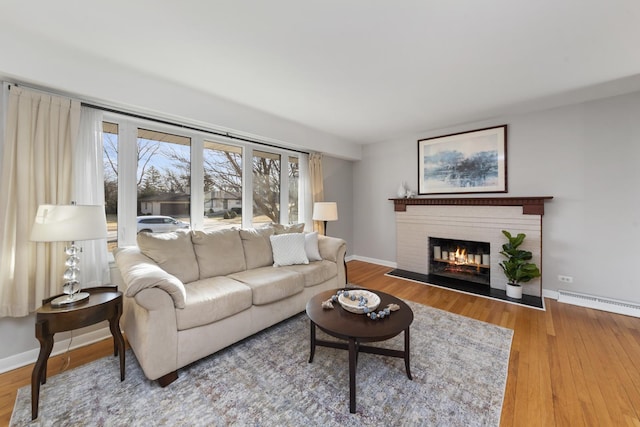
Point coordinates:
[(530, 205)]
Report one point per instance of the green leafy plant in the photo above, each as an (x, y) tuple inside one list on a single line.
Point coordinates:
[(517, 267)]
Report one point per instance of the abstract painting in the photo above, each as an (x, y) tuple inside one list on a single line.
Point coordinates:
[(466, 162)]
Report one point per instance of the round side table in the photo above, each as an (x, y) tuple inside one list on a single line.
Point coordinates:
[(104, 303), (356, 329)]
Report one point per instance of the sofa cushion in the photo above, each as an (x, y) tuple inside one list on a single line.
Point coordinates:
[(218, 252), (315, 273), (311, 246), (257, 247), (285, 229), (173, 252), (212, 299), (271, 284), (288, 249)]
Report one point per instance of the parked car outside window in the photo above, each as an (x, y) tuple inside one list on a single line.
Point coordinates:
[(159, 224)]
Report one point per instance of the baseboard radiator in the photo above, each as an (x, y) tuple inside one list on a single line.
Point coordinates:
[(600, 303)]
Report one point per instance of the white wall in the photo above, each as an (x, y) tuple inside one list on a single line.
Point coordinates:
[(41, 62), (587, 156)]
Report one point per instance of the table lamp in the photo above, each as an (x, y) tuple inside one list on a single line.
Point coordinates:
[(325, 211), (69, 223)]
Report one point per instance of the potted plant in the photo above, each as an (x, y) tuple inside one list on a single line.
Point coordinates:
[(516, 266)]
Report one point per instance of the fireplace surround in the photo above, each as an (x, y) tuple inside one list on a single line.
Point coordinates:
[(468, 219)]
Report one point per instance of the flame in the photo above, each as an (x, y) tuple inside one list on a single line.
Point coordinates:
[(461, 255)]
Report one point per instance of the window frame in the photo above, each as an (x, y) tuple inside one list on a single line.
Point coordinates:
[(127, 174)]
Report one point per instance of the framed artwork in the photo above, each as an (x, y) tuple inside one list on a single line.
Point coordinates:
[(466, 162)]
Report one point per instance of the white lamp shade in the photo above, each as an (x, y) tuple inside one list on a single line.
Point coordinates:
[(63, 223), (325, 211)]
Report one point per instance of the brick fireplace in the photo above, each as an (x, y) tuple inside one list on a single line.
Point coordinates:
[(422, 223)]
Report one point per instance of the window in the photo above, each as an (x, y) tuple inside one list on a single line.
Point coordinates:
[(266, 187), (194, 178), (294, 181), (164, 174), (222, 165), (110, 160)]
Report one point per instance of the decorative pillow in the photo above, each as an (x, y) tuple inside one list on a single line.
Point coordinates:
[(288, 249), (173, 252), (257, 247), (311, 246), (285, 229)]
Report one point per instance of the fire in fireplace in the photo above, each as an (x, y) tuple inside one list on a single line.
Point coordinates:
[(460, 259)]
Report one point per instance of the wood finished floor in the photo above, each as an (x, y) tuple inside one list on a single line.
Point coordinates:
[(569, 366)]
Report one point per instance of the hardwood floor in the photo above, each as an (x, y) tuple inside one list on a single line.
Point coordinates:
[(569, 366)]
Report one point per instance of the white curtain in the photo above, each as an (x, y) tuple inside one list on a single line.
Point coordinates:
[(317, 185), (40, 135), (89, 190)]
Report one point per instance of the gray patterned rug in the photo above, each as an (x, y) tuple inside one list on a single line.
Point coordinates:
[(459, 367)]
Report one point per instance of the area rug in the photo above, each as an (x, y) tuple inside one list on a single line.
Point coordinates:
[(459, 368)]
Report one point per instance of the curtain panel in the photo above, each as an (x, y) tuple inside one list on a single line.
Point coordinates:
[(317, 185), (40, 136), (88, 189)]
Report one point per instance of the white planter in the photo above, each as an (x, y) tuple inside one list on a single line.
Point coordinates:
[(514, 291)]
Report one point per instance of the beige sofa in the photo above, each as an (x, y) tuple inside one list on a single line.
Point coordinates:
[(191, 293)]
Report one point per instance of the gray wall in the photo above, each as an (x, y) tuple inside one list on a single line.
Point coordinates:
[(587, 156), (338, 187)]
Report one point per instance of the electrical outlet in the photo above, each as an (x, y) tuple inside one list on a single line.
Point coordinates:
[(565, 279)]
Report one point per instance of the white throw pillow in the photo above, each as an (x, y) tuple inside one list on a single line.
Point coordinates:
[(311, 246), (288, 249)]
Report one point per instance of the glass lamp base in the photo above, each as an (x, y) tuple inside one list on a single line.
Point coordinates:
[(67, 300)]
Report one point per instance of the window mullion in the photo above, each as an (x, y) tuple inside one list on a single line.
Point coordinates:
[(247, 187), (127, 184), (197, 182), (284, 188)]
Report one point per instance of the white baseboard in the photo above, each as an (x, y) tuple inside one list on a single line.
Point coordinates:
[(22, 359), (374, 261), (611, 305)]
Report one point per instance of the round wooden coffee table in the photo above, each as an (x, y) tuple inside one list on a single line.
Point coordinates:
[(358, 328)]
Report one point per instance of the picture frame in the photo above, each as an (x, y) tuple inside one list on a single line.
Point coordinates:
[(465, 162)]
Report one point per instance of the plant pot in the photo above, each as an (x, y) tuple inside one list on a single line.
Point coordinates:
[(514, 291)]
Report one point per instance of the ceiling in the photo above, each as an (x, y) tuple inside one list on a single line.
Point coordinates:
[(363, 70)]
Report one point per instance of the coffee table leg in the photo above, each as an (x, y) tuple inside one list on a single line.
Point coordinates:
[(407, 353), (352, 375), (312, 336)]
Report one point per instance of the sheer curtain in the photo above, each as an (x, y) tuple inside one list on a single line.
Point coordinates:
[(317, 185), (89, 190), (40, 135)]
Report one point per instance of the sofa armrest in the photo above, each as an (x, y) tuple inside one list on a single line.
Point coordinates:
[(150, 325), (141, 272), (330, 248)]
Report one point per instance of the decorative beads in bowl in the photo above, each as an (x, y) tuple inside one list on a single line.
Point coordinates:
[(358, 301)]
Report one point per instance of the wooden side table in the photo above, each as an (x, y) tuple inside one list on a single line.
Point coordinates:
[(104, 303)]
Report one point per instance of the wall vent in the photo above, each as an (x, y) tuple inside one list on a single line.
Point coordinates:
[(600, 303)]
